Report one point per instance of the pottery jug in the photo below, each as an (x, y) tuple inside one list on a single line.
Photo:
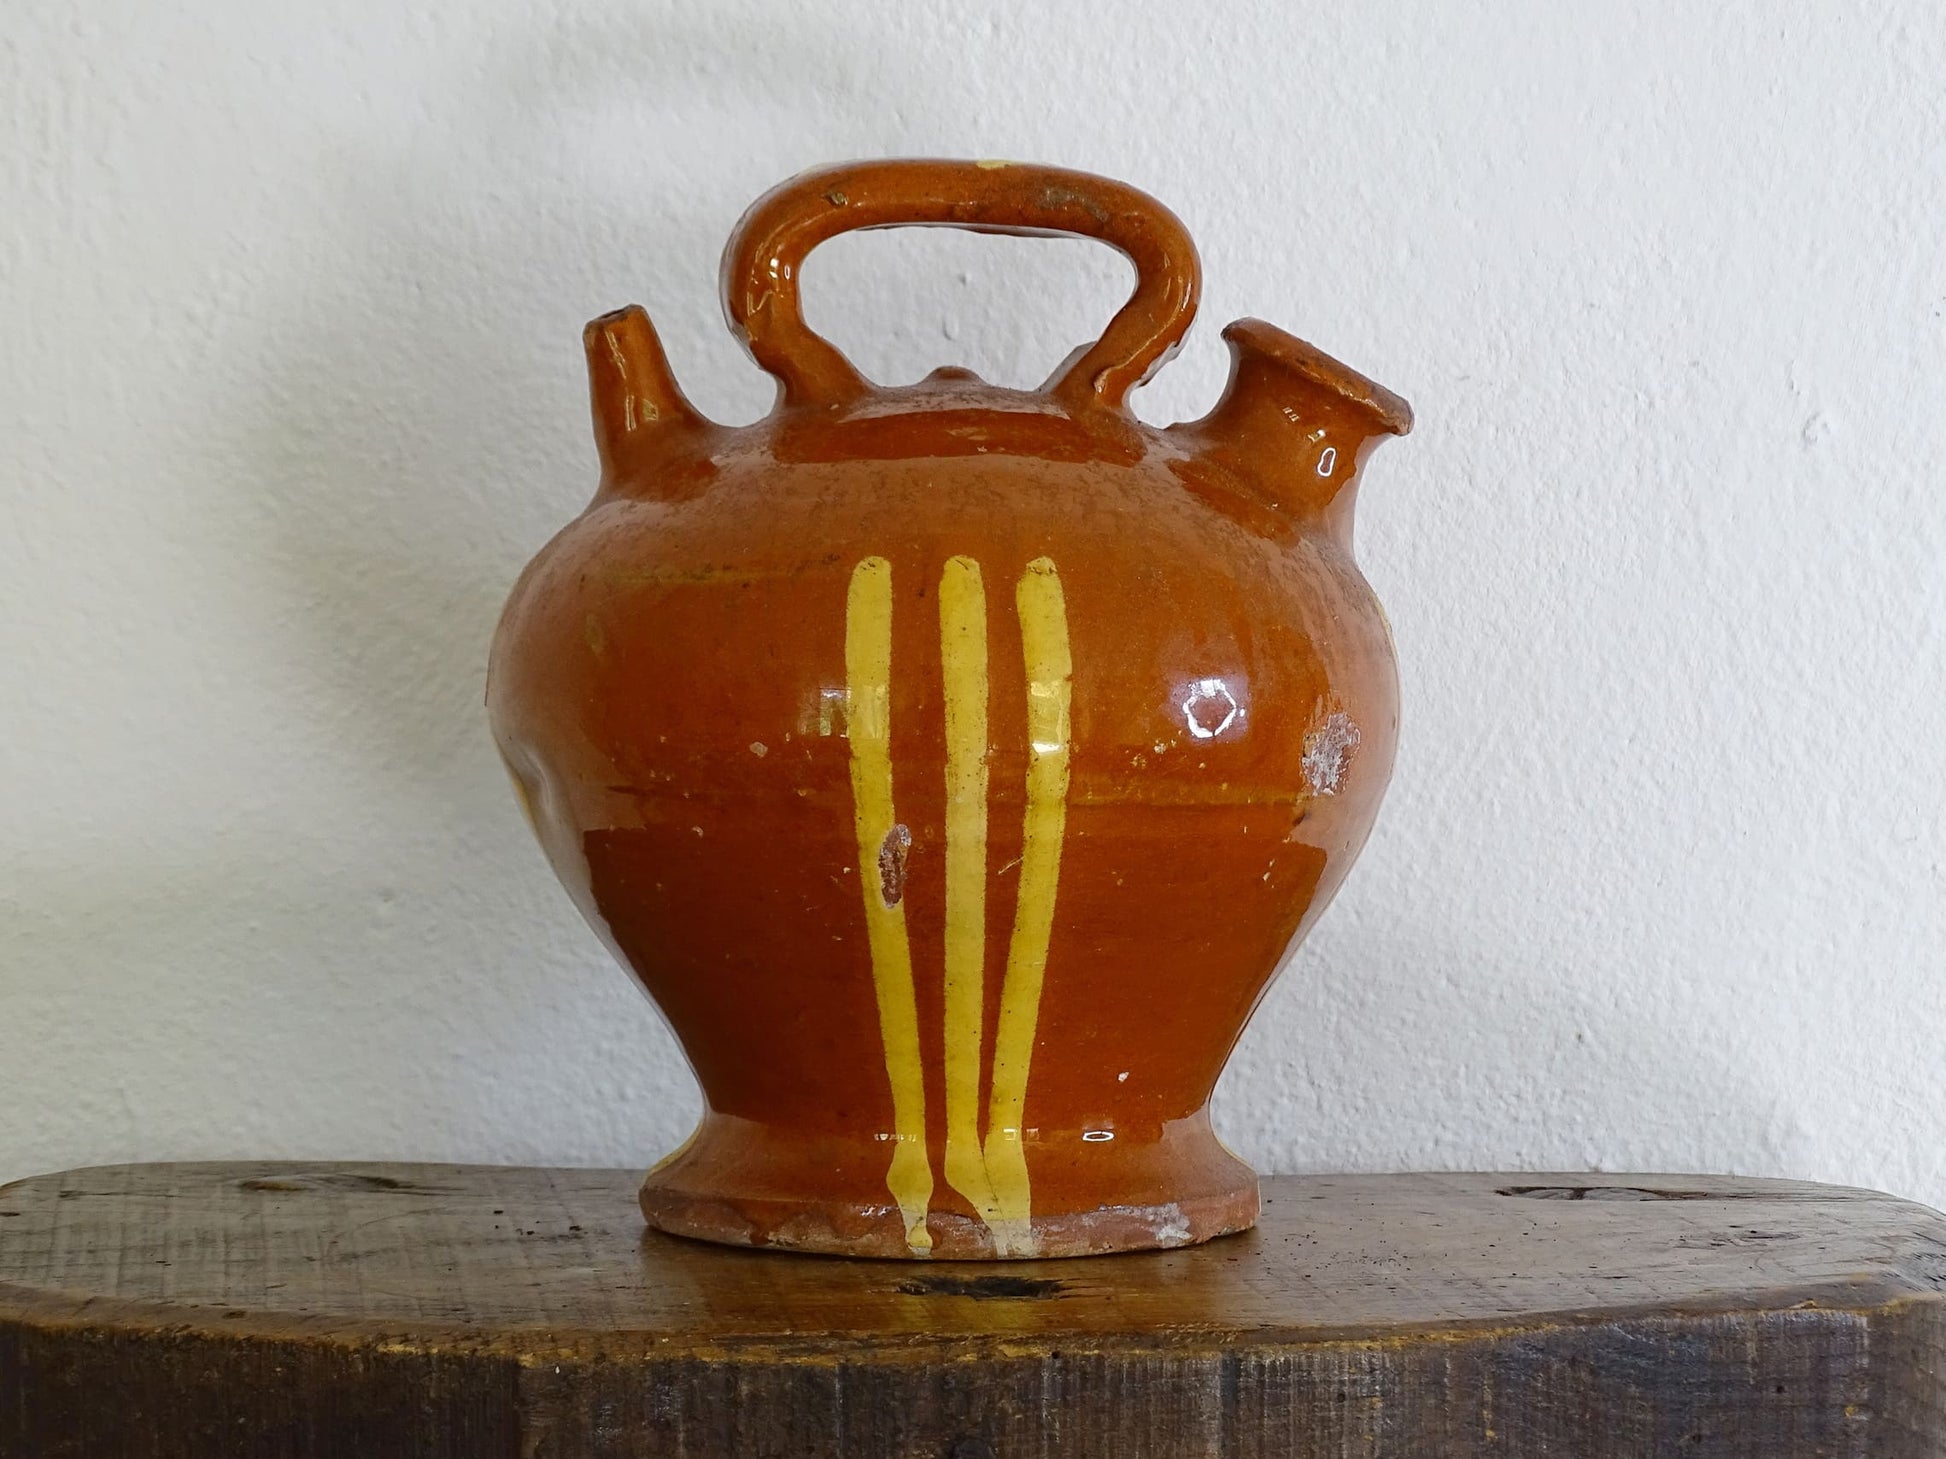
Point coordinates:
[(955, 765)]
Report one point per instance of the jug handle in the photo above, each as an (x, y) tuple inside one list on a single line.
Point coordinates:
[(766, 252)]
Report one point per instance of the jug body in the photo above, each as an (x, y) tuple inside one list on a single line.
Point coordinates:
[(954, 767)]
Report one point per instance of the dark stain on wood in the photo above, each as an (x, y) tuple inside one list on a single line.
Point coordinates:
[(330, 1180), (1617, 1193), (981, 1288)]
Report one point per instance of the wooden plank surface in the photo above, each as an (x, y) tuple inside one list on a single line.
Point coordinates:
[(387, 1310)]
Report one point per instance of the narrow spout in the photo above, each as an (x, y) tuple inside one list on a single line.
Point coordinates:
[(640, 411), (1296, 424)]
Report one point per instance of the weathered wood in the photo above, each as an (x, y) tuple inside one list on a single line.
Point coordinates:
[(317, 1312)]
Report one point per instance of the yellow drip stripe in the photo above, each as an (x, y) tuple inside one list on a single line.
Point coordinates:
[(1044, 644), (868, 705), (963, 666)]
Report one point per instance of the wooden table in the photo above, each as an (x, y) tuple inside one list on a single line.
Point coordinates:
[(380, 1311)]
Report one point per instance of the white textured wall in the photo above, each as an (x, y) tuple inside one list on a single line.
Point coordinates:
[(290, 387)]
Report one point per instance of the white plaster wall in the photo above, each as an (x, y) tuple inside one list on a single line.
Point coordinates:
[(290, 387)]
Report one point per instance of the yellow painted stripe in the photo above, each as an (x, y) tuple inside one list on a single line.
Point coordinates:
[(868, 715), (963, 667), (1050, 669)]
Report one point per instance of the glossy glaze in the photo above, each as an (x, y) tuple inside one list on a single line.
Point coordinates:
[(955, 765)]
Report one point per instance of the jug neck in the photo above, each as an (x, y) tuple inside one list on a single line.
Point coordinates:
[(1297, 424), (641, 415)]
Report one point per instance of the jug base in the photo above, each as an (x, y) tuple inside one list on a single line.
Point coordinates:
[(737, 1183)]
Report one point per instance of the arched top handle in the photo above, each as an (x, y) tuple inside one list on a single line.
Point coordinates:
[(765, 256)]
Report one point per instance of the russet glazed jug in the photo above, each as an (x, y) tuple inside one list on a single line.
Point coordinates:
[(955, 765)]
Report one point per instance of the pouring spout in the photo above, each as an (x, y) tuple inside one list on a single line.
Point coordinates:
[(640, 412), (1297, 424)]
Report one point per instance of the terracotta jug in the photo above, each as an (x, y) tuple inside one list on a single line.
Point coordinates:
[(955, 765)]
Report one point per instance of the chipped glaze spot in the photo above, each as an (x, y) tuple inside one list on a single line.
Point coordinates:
[(892, 853), (1328, 753)]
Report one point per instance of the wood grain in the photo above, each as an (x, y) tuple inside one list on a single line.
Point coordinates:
[(288, 1311)]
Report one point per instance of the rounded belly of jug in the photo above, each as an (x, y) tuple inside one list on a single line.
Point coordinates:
[(957, 866)]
